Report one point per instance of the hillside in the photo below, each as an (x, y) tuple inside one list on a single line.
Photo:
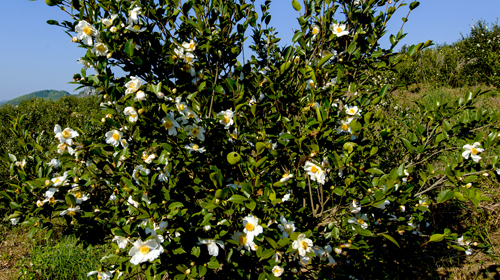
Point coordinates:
[(45, 94)]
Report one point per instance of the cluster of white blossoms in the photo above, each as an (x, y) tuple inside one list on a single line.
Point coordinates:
[(65, 138), (337, 29)]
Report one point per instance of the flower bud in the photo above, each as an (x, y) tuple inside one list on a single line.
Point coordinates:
[(103, 120), (192, 264), (109, 55), (113, 29), (174, 91), (74, 40), (188, 271), (47, 182), (140, 111)]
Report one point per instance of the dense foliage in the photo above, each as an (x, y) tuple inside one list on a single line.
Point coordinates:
[(472, 60), (282, 165)]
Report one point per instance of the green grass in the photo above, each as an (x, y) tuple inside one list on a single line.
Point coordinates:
[(63, 260)]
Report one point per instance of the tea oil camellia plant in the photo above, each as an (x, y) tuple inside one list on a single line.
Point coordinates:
[(280, 165)]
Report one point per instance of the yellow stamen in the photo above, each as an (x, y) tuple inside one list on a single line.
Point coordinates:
[(168, 124), (360, 221), (100, 48), (249, 227), (116, 136), (71, 213), (87, 30), (339, 29), (303, 245), (195, 147), (66, 134), (137, 27), (242, 239), (474, 151), (226, 119), (345, 127), (181, 107), (314, 169), (144, 250)]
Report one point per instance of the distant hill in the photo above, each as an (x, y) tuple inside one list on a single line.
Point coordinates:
[(45, 94)]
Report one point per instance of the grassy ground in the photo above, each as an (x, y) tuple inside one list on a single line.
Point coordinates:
[(60, 258)]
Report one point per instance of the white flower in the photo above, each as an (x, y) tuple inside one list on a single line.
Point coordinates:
[(179, 52), (344, 126), (195, 131), (227, 118), (325, 254), (339, 29), (66, 135), (355, 207), (100, 49), (189, 47), (132, 113), (21, 163), (79, 195), (54, 163), (383, 204), (14, 221), (315, 31), (148, 158), (195, 148), (134, 15), (315, 172), (213, 250), (140, 96), (277, 271), (61, 148), (86, 32), (114, 137), (286, 197), (359, 219), (144, 251), (310, 84), (286, 227), (252, 101), (133, 85), (59, 181), (71, 211), (244, 240), (121, 241), (132, 202), (85, 63), (108, 21), (303, 245), (252, 227), (169, 123), (135, 28), (352, 111), (472, 151), (102, 275), (286, 177)]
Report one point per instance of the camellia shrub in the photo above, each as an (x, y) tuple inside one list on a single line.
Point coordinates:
[(277, 164)]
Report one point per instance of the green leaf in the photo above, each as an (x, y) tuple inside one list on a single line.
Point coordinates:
[(324, 59), (445, 195), (213, 264), (414, 5), (297, 36), (267, 254), (175, 205), (375, 171), (129, 47), (296, 5), (436, 238), (390, 238), (70, 200), (260, 146), (236, 198)]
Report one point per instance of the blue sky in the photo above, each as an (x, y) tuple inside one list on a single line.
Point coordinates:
[(37, 56)]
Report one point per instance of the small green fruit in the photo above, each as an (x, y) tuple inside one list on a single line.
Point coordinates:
[(52, 2), (233, 158)]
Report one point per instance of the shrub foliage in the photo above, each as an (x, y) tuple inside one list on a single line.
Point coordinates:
[(281, 165)]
